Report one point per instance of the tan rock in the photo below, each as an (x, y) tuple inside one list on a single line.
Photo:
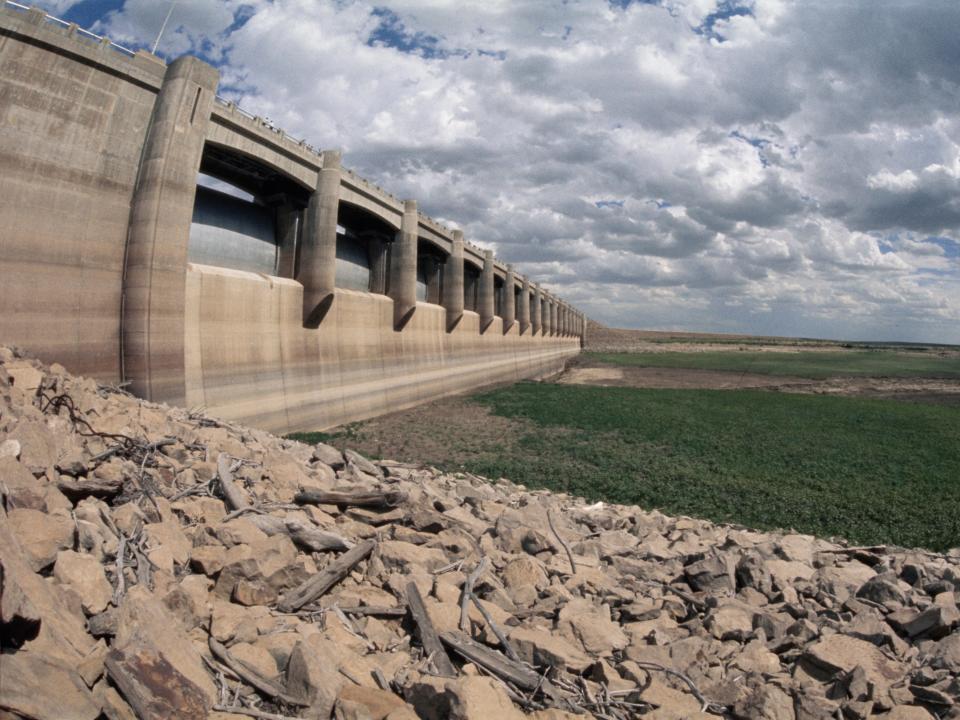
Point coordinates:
[(24, 376), (373, 703), (148, 633), (10, 449), (41, 536), (312, 677), (468, 698), (39, 686), (256, 658), (785, 572), (797, 548), (766, 702), (730, 621), (544, 648), (404, 556), (906, 712), (253, 592), (581, 620), (208, 559), (231, 623), (841, 654), (168, 535), (524, 571), (239, 531), (85, 576), (843, 580)]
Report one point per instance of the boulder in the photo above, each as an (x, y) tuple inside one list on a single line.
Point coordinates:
[(42, 536), (84, 575)]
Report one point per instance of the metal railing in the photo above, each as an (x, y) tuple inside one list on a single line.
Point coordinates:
[(72, 29)]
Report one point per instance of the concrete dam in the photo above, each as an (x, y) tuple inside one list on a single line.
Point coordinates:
[(309, 298)]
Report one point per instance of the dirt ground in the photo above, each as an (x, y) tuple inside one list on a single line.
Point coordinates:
[(445, 432), (589, 372), (454, 430)]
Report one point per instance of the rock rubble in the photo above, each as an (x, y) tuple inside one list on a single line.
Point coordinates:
[(158, 563)]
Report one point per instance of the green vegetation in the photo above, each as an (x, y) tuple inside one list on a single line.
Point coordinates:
[(873, 471), (815, 365)]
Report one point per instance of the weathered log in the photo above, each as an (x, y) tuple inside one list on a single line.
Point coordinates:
[(333, 573), (308, 538), (428, 634), (492, 660), (387, 499), (231, 493), (251, 676)]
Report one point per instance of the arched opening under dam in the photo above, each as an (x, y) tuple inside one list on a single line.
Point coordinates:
[(363, 250), (246, 215), (431, 261)]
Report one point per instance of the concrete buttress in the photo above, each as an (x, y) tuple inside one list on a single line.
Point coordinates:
[(318, 255), (453, 282), (524, 309), (154, 284), (403, 267)]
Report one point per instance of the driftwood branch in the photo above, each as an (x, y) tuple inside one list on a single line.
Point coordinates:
[(387, 499), (563, 543), (231, 493), (250, 676), (333, 573), (428, 634), (705, 705), (467, 592), (501, 636), (308, 538)]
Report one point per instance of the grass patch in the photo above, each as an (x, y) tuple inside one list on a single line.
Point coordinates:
[(816, 365), (873, 471)]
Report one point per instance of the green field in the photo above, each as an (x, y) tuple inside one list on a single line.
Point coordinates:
[(873, 471), (817, 365)]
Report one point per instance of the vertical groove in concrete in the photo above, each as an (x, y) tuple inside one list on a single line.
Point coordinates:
[(453, 282), (159, 234), (487, 288), (536, 312), (508, 307), (403, 267), (318, 256), (524, 309)]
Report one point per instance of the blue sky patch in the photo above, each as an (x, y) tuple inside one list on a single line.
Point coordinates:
[(391, 32), (609, 203), (759, 143), (951, 248), (87, 12), (726, 9)]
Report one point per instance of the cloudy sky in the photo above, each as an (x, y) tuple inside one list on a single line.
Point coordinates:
[(784, 167)]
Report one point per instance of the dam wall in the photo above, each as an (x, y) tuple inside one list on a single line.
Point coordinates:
[(287, 292)]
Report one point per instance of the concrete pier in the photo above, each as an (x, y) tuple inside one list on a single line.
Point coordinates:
[(318, 254), (403, 267), (156, 257), (524, 309), (453, 282)]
